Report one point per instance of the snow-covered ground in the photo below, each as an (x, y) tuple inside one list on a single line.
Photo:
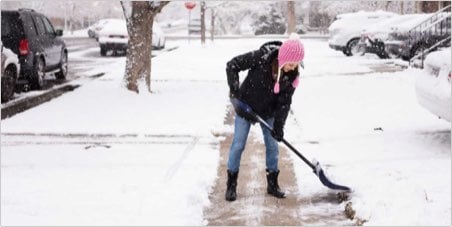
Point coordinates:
[(101, 155)]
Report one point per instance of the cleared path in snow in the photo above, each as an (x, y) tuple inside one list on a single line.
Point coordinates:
[(254, 207)]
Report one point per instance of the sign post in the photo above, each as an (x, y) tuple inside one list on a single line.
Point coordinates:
[(189, 6)]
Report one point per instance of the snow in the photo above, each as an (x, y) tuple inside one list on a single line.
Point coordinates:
[(75, 34), (355, 20), (115, 27), (399, 23), (439, 58), (10, 56), (433, 88), (101, 155)]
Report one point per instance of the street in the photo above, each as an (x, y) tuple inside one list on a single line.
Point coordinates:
[(83, 62)]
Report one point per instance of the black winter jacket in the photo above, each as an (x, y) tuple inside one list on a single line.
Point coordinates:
[(257, 88)]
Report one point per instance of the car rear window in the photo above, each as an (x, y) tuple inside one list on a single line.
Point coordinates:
[(10, 26)]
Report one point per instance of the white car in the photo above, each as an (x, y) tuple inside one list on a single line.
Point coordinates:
[(433, 85), (114, 36), (10, 69), (345, 31)]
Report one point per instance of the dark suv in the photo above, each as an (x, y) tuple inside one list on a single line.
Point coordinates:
[(32, 37)]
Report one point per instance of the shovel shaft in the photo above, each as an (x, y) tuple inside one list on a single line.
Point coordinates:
[(298, 154), (316, 168), (286, 143)]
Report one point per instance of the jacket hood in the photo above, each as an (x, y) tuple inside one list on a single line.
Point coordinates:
[(270, 50)]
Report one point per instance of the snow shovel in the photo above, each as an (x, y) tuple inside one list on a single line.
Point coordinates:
[(315, 166)]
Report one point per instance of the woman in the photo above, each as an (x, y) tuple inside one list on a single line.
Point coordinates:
[(273, 72)]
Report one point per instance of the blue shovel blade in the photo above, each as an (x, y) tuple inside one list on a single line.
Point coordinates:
[(325, 181)]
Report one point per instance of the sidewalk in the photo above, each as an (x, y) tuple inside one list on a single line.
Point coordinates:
[(254, 207)]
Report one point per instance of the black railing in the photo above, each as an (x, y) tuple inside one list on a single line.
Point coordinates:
[(430, 33)]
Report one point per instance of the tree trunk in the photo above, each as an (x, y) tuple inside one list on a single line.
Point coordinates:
[(139, 27), (401, 8), (387, 5), (212, 24), (139, 51), (291, 20), (203, 22)]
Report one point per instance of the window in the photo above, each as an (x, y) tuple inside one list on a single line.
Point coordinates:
[(29, 26), (39, 25), (48, 25), (6, 29)]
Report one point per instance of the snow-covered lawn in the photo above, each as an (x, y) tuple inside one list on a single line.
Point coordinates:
[(101, 155)]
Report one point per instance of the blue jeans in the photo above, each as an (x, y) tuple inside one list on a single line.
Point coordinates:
[(241, 130)]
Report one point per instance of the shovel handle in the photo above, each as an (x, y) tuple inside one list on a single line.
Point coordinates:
[(284, 141), (248, 109)]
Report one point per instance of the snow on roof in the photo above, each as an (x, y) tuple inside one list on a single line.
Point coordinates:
[(398, 22), (114, 26), (360, 20), (406, 25), (362, 13)]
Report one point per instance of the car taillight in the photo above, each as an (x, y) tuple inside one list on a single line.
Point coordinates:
[(23, 47), (448, 77)]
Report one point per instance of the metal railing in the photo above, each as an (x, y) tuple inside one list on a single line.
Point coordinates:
[(430, 33), (424, 52)]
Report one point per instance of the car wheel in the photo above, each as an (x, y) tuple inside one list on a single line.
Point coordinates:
[(61, 75), (417, 49), (345, 51), (37, 80), (103, 51), (361, 50), (353, 47), (115, 52), (8, 84), (393, 54), (382, 55)]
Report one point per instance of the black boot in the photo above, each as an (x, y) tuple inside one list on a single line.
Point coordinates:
[(272, 185), (231, 194)]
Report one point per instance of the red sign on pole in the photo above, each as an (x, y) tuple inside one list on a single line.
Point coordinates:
[(190, 5)]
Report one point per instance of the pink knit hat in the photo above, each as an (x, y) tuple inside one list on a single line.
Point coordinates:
[(292, 50)]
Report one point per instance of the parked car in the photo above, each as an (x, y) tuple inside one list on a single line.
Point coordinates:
[(40, 49), (374, 37), (10, 69), (114, 37), (345, 31), (404, 44), (433, 85)]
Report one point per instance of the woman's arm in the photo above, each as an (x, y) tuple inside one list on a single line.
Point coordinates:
[(240, 63), (282, 108)]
